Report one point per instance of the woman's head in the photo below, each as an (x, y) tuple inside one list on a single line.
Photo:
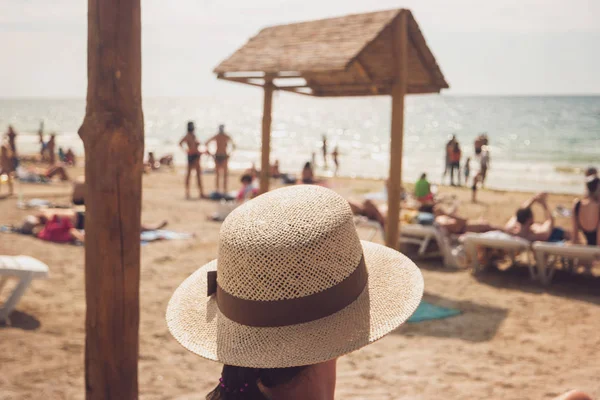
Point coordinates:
[(293, 285), (592, 182), (300, 382), (246, 179), (307, 165)]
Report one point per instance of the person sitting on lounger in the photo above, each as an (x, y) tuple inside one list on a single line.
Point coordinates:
[(247, 191), (522, 223), (423, 190), (308, 176), (586, 211)]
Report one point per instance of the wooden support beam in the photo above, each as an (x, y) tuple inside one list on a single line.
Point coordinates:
[(113, 138), (365, 74), (400, 45), (265, 165), (241, 80)]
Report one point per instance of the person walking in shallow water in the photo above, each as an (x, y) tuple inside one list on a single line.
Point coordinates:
[(193, 159), (335, 155), (222, 141)]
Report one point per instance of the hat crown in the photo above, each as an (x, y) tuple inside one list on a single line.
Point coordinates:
[(288, 243)]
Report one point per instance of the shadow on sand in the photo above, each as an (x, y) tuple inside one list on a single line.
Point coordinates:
[(21, 320), (564, 284), (476, 323)]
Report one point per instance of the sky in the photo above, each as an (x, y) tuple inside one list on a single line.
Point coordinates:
[(504, 47)]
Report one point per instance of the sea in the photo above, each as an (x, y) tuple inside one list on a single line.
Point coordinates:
[(536, 143)]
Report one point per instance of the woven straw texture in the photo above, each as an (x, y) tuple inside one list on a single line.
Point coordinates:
[(285, 244)]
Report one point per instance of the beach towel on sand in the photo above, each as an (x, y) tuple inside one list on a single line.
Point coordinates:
[(427, 311)]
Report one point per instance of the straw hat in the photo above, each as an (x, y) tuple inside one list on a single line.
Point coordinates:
[(295, 285)]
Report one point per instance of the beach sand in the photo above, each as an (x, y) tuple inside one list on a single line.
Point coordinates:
[(514, 339)]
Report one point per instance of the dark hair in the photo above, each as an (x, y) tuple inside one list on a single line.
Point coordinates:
[(591, 171), (246, 178), (524, 215), (307, 165), (593, 185), (423, 175), (190, 126), (241, 383)]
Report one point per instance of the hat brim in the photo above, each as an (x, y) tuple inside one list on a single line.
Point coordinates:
[(393, 292)]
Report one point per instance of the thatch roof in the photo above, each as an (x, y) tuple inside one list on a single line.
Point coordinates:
[(345, 56)]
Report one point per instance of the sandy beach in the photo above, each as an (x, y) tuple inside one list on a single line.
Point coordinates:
[(513, 340)]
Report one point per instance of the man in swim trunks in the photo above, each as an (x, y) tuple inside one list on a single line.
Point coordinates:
[(222, 141), (522, 223), (193, 157)]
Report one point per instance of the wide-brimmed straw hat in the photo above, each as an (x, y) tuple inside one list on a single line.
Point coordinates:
[(293, 285)]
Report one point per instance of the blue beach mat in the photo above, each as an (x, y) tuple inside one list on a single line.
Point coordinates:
[(427, 311)]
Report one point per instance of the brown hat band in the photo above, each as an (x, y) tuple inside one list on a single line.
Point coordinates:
[(292, 311)]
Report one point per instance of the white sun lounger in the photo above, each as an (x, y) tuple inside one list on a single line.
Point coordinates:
[(420, 235), (547, 255), (23, 268), (497, 240)]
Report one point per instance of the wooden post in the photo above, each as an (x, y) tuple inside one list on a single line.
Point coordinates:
[(265, 164), (113, 138), (400, 41)]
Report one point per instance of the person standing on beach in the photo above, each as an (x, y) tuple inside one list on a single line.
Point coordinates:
[(12, 140), (222, 141), (11, 135), (467, 170), (193, 158), (6, 165), (484, 160), (324, 148), (447, 152), (335, 155), (454, 159), (51, 149)]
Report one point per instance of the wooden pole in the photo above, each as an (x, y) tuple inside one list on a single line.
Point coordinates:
[(400, 41), (113, 138), (265, 164)]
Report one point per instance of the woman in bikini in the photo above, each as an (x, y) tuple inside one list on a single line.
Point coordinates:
[(193, 158), (586, 211)]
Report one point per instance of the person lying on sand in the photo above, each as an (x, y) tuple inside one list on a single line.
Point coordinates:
[(522, 223), (34, 174), (63, 225)]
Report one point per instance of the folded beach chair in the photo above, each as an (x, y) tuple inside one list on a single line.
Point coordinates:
[(23, 268), (547, 255), (420, 235), (497, 240)]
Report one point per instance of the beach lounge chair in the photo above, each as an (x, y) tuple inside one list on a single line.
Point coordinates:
[(547, 255), (23, 268), (417, 234), (497, 240)]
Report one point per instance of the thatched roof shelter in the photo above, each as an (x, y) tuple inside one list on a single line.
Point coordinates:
[(346, 56), (379, 53)]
